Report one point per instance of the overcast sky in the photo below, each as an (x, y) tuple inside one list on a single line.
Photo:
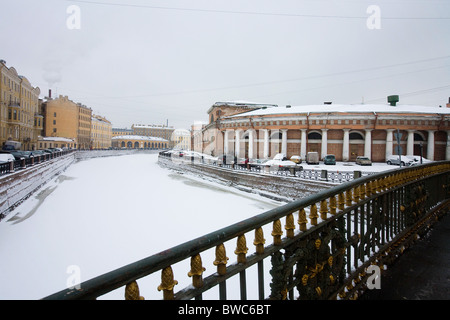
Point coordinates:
[(146, 62)]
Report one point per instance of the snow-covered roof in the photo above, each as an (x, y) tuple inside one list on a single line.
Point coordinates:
[(345, 108), (135, 137), (244, 103), (181, 132), (152, 126), (60, 139)]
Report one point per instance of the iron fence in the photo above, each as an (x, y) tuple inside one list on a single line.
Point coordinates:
[(323, 251)]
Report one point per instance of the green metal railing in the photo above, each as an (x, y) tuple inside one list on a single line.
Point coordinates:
[(339, 233)]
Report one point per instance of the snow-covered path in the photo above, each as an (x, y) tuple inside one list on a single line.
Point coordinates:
[(103, 213)]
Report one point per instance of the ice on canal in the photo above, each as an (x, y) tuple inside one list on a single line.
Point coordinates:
[(103, 213)]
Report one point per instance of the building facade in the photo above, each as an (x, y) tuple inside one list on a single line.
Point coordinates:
[(159, 131), (347, 131), (66, 119), (181, 139), (139, 142), (20, 119), (121, 132), (101, 132)]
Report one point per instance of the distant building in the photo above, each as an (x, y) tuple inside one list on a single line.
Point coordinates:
[(159, 131), (101, 132), (181, 139), (20, 119), (139, 142), (347, 131), (121, 132), (55, 142)]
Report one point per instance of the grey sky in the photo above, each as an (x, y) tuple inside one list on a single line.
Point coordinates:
[(148, 61)]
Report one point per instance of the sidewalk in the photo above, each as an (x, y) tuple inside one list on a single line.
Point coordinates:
[(422, 272)]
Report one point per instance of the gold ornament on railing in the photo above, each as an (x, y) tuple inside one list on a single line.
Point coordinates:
[(318, 243), (167, 283), (356, 194), (196, 271), (221, 260), (259, 240), (277, 232), (348, 197), (341, 201), (313, 214), (333, 205), (241, 249), (132, 291), (323, 209), (362, 191), (302, 219), (290, 226), (368, 188)]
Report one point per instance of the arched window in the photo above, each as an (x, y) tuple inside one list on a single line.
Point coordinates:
[(355, 136), (136, 145), (277, 135), (129, 144), (314, 136), (122, 145), (418, 137)]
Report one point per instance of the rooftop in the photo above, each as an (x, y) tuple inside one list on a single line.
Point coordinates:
[(345, 108)]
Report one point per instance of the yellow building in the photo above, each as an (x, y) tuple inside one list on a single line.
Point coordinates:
[(19, 109), (181, 139), (160, 131), (55, 142), (121, 132), (67, 119), (101, 132), (139, 142), (84, 126)]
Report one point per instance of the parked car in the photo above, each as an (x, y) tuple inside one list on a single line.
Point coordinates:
[(363, 161), (394, 159), (6, 157), (312, 158), (329, 159), (280, 162), (296, 159)]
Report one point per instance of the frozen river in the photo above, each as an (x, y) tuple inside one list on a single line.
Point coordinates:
[(103, 213)]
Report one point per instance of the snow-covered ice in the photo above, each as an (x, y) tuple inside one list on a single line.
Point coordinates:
[(103, 213)]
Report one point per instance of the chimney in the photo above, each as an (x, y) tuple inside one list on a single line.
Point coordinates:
[(49, 93), (393, 100), (448, 104)]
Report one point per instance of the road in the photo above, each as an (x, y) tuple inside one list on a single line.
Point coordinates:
[(422, 272)]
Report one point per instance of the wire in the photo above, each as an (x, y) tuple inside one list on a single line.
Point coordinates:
[(251, 12), (281, 81)]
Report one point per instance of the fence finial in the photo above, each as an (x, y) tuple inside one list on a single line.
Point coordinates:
[(167, 283), (132, 291), (241, 249), (259, 240), (221, 259), (196, 271)]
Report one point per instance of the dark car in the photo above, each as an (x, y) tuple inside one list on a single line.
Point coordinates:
[(329, 159)]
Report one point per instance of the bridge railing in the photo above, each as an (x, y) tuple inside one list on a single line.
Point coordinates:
[(319, 247)]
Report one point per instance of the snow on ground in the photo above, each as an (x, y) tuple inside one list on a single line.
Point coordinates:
[(103, 213), (349, 167)]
